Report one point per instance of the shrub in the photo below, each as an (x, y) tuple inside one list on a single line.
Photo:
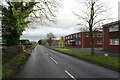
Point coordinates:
[(9, 69)]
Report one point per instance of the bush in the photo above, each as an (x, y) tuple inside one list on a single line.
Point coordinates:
[(9, 69), (10, 52)]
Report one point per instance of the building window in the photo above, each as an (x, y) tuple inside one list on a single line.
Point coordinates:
[(76, 42), (93, 35), (114, 28), (99, 35), (69, 37), (114, 42), (73, 36), (76, 36), (66, 42), (99, 42), (79, 35), (65, 37), (86, 35), (79, 42)]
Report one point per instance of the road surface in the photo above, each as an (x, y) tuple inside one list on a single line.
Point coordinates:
[(47, 63)]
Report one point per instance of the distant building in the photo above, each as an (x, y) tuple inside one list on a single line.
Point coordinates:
[(55, 42), (119, 10), (111, 38), (82, 39)]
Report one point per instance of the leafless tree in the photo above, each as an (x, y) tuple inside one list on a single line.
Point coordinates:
[(44, 11), (91, 16), (50, 36)]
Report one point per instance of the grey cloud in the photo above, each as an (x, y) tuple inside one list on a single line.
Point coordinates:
[(41, 32), (65, 24)]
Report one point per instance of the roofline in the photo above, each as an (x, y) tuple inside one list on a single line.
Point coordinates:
[(79, 32), (112, 23)]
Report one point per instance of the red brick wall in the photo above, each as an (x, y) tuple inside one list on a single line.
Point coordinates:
[(106, 37), (85, 41), (106, 46)]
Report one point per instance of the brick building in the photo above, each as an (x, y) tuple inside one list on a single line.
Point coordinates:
[(82, 39), (111, 38), (55, 42)]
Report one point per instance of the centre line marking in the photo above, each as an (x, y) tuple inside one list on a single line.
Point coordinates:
[(54, 60), (70, 75), (46, 53)]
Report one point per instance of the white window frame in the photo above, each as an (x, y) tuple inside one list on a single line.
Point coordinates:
[(100, 42), (76, 36), (93, 35), (79, 42), (86, 35), (114, 41), (114, 28), (66, 37), (76, 42), (66, 42)]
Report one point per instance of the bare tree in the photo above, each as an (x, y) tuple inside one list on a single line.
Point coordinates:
[(44, 11), (93, 14), (50, 36)]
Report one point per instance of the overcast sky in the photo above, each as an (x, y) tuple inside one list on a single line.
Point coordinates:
[(66, 22)]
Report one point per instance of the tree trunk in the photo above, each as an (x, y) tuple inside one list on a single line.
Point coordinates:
[(91, 28), (50, 43), (92, 43)]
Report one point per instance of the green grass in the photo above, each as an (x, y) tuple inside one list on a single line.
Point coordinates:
[(9, 69), (33, 44), (0, 73), (105, 61)]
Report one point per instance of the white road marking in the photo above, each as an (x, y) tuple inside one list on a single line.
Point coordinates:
[(54, 60), (70, 75), (46, 53)]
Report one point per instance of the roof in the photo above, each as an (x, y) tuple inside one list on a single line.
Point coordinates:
[(112, 23), (81, 32), (55, 38)]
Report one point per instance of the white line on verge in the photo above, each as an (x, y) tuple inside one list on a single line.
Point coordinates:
[(54, 60), (70, 75)]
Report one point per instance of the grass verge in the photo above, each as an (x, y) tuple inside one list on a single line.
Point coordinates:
[(105, 61), (9, 69)]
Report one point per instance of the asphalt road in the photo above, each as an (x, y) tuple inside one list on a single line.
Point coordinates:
[(46, 63)]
